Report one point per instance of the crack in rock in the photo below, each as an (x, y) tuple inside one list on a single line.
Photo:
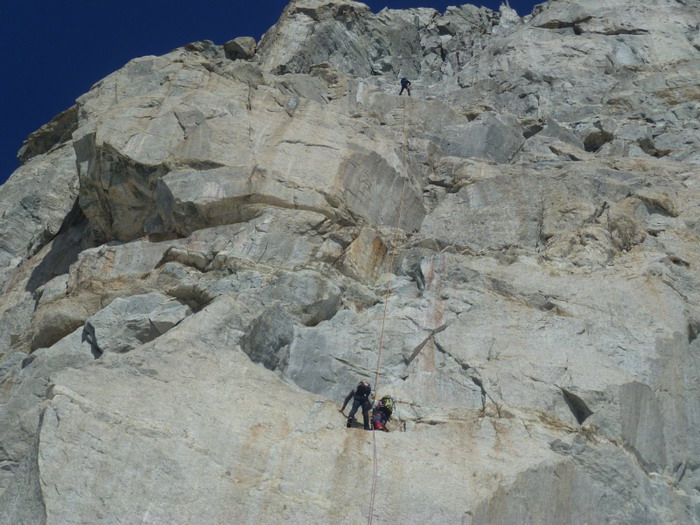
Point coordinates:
[(577, 406)]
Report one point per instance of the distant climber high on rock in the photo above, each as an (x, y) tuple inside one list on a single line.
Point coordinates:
[(405, 84), (360, 396)]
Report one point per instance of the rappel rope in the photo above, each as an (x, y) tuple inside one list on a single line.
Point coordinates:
[(387, 294)]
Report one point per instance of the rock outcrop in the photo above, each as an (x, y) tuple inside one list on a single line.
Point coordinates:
[(201, 258)]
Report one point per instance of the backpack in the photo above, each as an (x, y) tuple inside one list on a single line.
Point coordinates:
[(388, 404)]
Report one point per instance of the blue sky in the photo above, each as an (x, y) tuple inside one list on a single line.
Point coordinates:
[(55, 50)]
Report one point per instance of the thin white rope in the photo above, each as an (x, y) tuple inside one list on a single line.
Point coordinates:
[(387, 294)]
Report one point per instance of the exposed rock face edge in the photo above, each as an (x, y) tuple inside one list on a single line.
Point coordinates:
[(198, 259)]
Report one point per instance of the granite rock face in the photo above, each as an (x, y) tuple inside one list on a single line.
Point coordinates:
[(241, 47), (235, 235)]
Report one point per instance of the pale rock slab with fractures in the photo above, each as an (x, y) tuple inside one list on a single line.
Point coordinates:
[(236, 235)]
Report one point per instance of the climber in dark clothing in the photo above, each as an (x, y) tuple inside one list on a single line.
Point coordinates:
[(360, 396), (405, 84)]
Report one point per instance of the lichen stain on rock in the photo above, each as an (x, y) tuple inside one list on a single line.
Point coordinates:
[(376, 256)]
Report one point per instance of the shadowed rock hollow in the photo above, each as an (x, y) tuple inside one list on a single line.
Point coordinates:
[(198, 259)]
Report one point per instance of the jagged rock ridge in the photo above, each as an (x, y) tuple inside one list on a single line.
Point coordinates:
[(207, 276)]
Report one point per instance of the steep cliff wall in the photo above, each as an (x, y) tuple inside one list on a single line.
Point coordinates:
[(201, 258)]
